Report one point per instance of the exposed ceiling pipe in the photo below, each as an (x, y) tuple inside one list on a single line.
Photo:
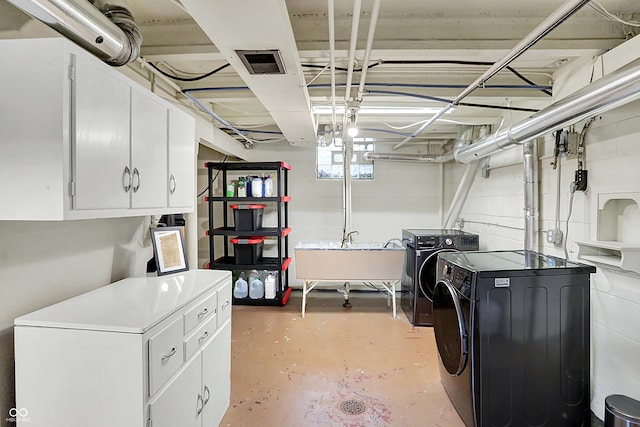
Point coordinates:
[(332, 61), (614, 90), (422, 158), (373, 23), (355, 23), (544, 28), (531, 195), (111, 34), (465, 135)]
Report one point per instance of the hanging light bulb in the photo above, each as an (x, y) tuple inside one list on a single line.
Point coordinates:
[(352, 131)]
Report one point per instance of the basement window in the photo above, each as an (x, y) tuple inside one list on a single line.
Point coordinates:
[(330, 160)]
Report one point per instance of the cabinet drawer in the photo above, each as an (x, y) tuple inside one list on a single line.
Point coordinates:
[(164, 354), (224, 303), (200, 312), (199, 337)]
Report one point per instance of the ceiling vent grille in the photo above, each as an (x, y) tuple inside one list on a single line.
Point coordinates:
[(262, 61)]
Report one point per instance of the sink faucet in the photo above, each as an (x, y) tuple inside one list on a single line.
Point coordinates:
[(348, 239), (393, 239)]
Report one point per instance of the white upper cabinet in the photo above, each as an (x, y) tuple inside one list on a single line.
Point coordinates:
[(80, 140), (148, 151), (100, 143), (181, 184)]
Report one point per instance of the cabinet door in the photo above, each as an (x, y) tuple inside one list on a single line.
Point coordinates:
[(148, 151), (181, 160), (100, 143), (180, 404), (216, 376)]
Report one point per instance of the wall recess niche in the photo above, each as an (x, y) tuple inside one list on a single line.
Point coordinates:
[(617, 231)]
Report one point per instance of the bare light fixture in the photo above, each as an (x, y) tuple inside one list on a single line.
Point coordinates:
[(352, 131), (262, 61)]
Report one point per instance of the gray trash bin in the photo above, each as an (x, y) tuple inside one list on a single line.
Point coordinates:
[(621, 411)]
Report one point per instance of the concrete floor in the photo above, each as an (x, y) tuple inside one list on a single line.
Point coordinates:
[(287, 371)]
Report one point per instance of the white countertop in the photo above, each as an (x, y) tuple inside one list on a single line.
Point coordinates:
[(132, 305)]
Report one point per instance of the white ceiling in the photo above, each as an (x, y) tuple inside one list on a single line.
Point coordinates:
[(191, 37)]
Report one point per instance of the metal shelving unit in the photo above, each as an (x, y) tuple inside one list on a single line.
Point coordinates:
[(281, 231)]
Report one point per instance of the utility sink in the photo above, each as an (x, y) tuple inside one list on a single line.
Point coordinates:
[(357, 262)]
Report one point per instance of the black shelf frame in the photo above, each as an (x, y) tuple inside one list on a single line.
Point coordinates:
[(281, 231)]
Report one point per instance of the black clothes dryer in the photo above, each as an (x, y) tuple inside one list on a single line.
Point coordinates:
[(512, 331), (419, 273)]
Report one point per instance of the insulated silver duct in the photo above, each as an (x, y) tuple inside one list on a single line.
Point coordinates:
[(442, 158), (111, 35), (614, 90)]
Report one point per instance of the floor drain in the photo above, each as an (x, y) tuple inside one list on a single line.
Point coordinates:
[(353, 407)]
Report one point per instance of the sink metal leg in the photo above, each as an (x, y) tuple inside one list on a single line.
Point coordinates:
[(346, 304), (390, 287), (304, 296), (307, 287)]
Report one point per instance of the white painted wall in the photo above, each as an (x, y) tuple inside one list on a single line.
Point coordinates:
[(402, 195), (42, 263), (612, 156)]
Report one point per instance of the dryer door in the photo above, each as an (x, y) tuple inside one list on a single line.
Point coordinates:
[(427, 273), (449, 327)]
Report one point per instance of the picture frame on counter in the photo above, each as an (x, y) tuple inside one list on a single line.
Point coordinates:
[(169, 250)]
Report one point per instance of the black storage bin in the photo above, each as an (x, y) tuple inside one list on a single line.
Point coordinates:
[(248, 250), (621, 411), (248, 217)]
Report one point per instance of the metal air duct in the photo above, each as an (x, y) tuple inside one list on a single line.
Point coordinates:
[(111, 34), (441, 158), (614, 90)]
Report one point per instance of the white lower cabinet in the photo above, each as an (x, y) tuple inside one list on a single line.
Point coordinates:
[(181, 403), (216, 360), (142, 352), (199, 395)]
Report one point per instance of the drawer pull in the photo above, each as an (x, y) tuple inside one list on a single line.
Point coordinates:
[(226, 303), (208, 394), (203, 313), (168, 356), (203, 337), (199, 405)]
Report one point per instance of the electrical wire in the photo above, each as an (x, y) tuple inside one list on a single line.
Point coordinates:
[(573, 189), (434, 62), (189, 79), (600, 10), (214, 178), (448, 101)]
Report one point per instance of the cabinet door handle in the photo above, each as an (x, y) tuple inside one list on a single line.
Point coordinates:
[(203, 337), (199, 405), (226, 303), (169, 355), (126, 179), (208, 393), (172, 184), (136, 173), (203, 313)]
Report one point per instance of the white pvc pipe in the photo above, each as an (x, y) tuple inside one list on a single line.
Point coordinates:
[(373, 23), (332, 61), (355, 23)]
